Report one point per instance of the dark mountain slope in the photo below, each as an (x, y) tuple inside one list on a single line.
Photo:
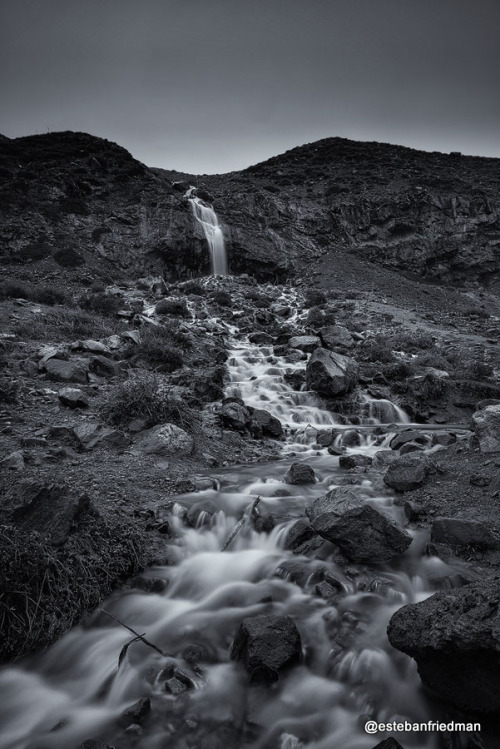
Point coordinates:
[(73, 201)]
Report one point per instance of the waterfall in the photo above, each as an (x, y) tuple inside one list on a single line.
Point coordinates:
[(207, 217)]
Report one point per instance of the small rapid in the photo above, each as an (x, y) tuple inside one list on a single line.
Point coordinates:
[(207, 218), (200, 697)]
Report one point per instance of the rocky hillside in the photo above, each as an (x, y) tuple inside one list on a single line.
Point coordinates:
[(75, 202)]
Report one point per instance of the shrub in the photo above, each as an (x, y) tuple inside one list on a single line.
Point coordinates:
[(69, 258), (174, 307), (409, 340), (376, 349), (64, 325), (161, 347), (193, 287), (106, 304), (399, 370), (432, 359), (315, 317), (145, 396), (43, 295), (431, 387)]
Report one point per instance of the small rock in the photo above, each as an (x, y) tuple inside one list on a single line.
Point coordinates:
[(262, 423), (136, 713), (363, 533), (67, 371), (305, 343), (351, 438), (266, 645), (330, 374), (487, 427), (383, 458), (408, 472), (411, 435), (443, 438), (13, 462), (300, 473), (104, 367), (165, 440), (352, 461), (73, 398), (234, 416)]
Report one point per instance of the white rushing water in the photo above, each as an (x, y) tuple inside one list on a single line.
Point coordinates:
[(206, 216), (349, 669)]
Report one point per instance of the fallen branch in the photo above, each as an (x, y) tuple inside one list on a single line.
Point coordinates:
[(137, 637), (239, 525)]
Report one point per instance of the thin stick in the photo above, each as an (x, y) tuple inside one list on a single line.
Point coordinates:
[(137, 635), (241, 522)]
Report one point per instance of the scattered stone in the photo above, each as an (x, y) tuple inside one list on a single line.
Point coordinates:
[(13, 462), (136, 713), (454, 636), (458, 532), (300, 473), (330, 374), (104, 367), (73, 398), (411, 447), (487, 427), (95, 347), (234, 416), (49, 509), (413, 511), (305, 343), (411, 435), (383, 458), (363, 533), (50, 352), (299, 534), (408, 472), (262, 423), (480, 479), (201, 513), (336, 336), (266, 645), (443, 438), (261, 339), (353, 461), (67, 371), (164, 440), (325, 438), (351, 438), (332, 450)]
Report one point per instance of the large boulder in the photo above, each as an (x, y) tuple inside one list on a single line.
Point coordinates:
[(408, 472), (267, 644), (49, 509), (165, 440), (336, 336), (487, 426), (331, 374), (454, 636), (363, 533), (300, 473), (234, 416)]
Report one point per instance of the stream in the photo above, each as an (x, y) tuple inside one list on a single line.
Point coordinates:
[(348, 672)]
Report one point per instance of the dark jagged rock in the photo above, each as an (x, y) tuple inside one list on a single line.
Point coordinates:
[(330, 374), (363, 533), (300, 536), (263, 424), (234, 416), (410, 435), (300, 473), (67, 371), (454, 636), (408, 472), (73, 398), (458, 532), (267, 644), (383, 458), (336, 336), (353, 461), (136, 713), (49, 509), (305, 343)]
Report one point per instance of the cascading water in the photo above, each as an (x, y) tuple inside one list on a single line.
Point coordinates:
[(206, 216), (349, 669)]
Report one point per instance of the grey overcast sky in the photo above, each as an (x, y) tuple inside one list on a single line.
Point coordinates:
[(208, 86)]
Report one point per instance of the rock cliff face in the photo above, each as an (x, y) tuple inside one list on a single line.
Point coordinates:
[(75, 200)]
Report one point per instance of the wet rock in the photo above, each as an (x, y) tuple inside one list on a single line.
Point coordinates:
[(487, 427), (363, 533), (458, 532), (67, 371), (73, 398), (325, 438), (408, 472), (234, 416), (443, 438), (300, 473), (351, 438), (454, 636), (410, 435), (13, 462), (49, 509), (200, 513), (295, 379), (413, 511), (149, 584), (136, 713), (267, 644), (263, 424), (389, 743), (330, 374), (263, 523), (177, 682), (305, 343), (261, 339), (332, 450), (165, 440), (300, 534), (336, 336), (383, 458), (410, 447), (353, 461)]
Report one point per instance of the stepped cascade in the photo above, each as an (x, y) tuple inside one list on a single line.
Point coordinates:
[(206, 216), (84, 682)]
